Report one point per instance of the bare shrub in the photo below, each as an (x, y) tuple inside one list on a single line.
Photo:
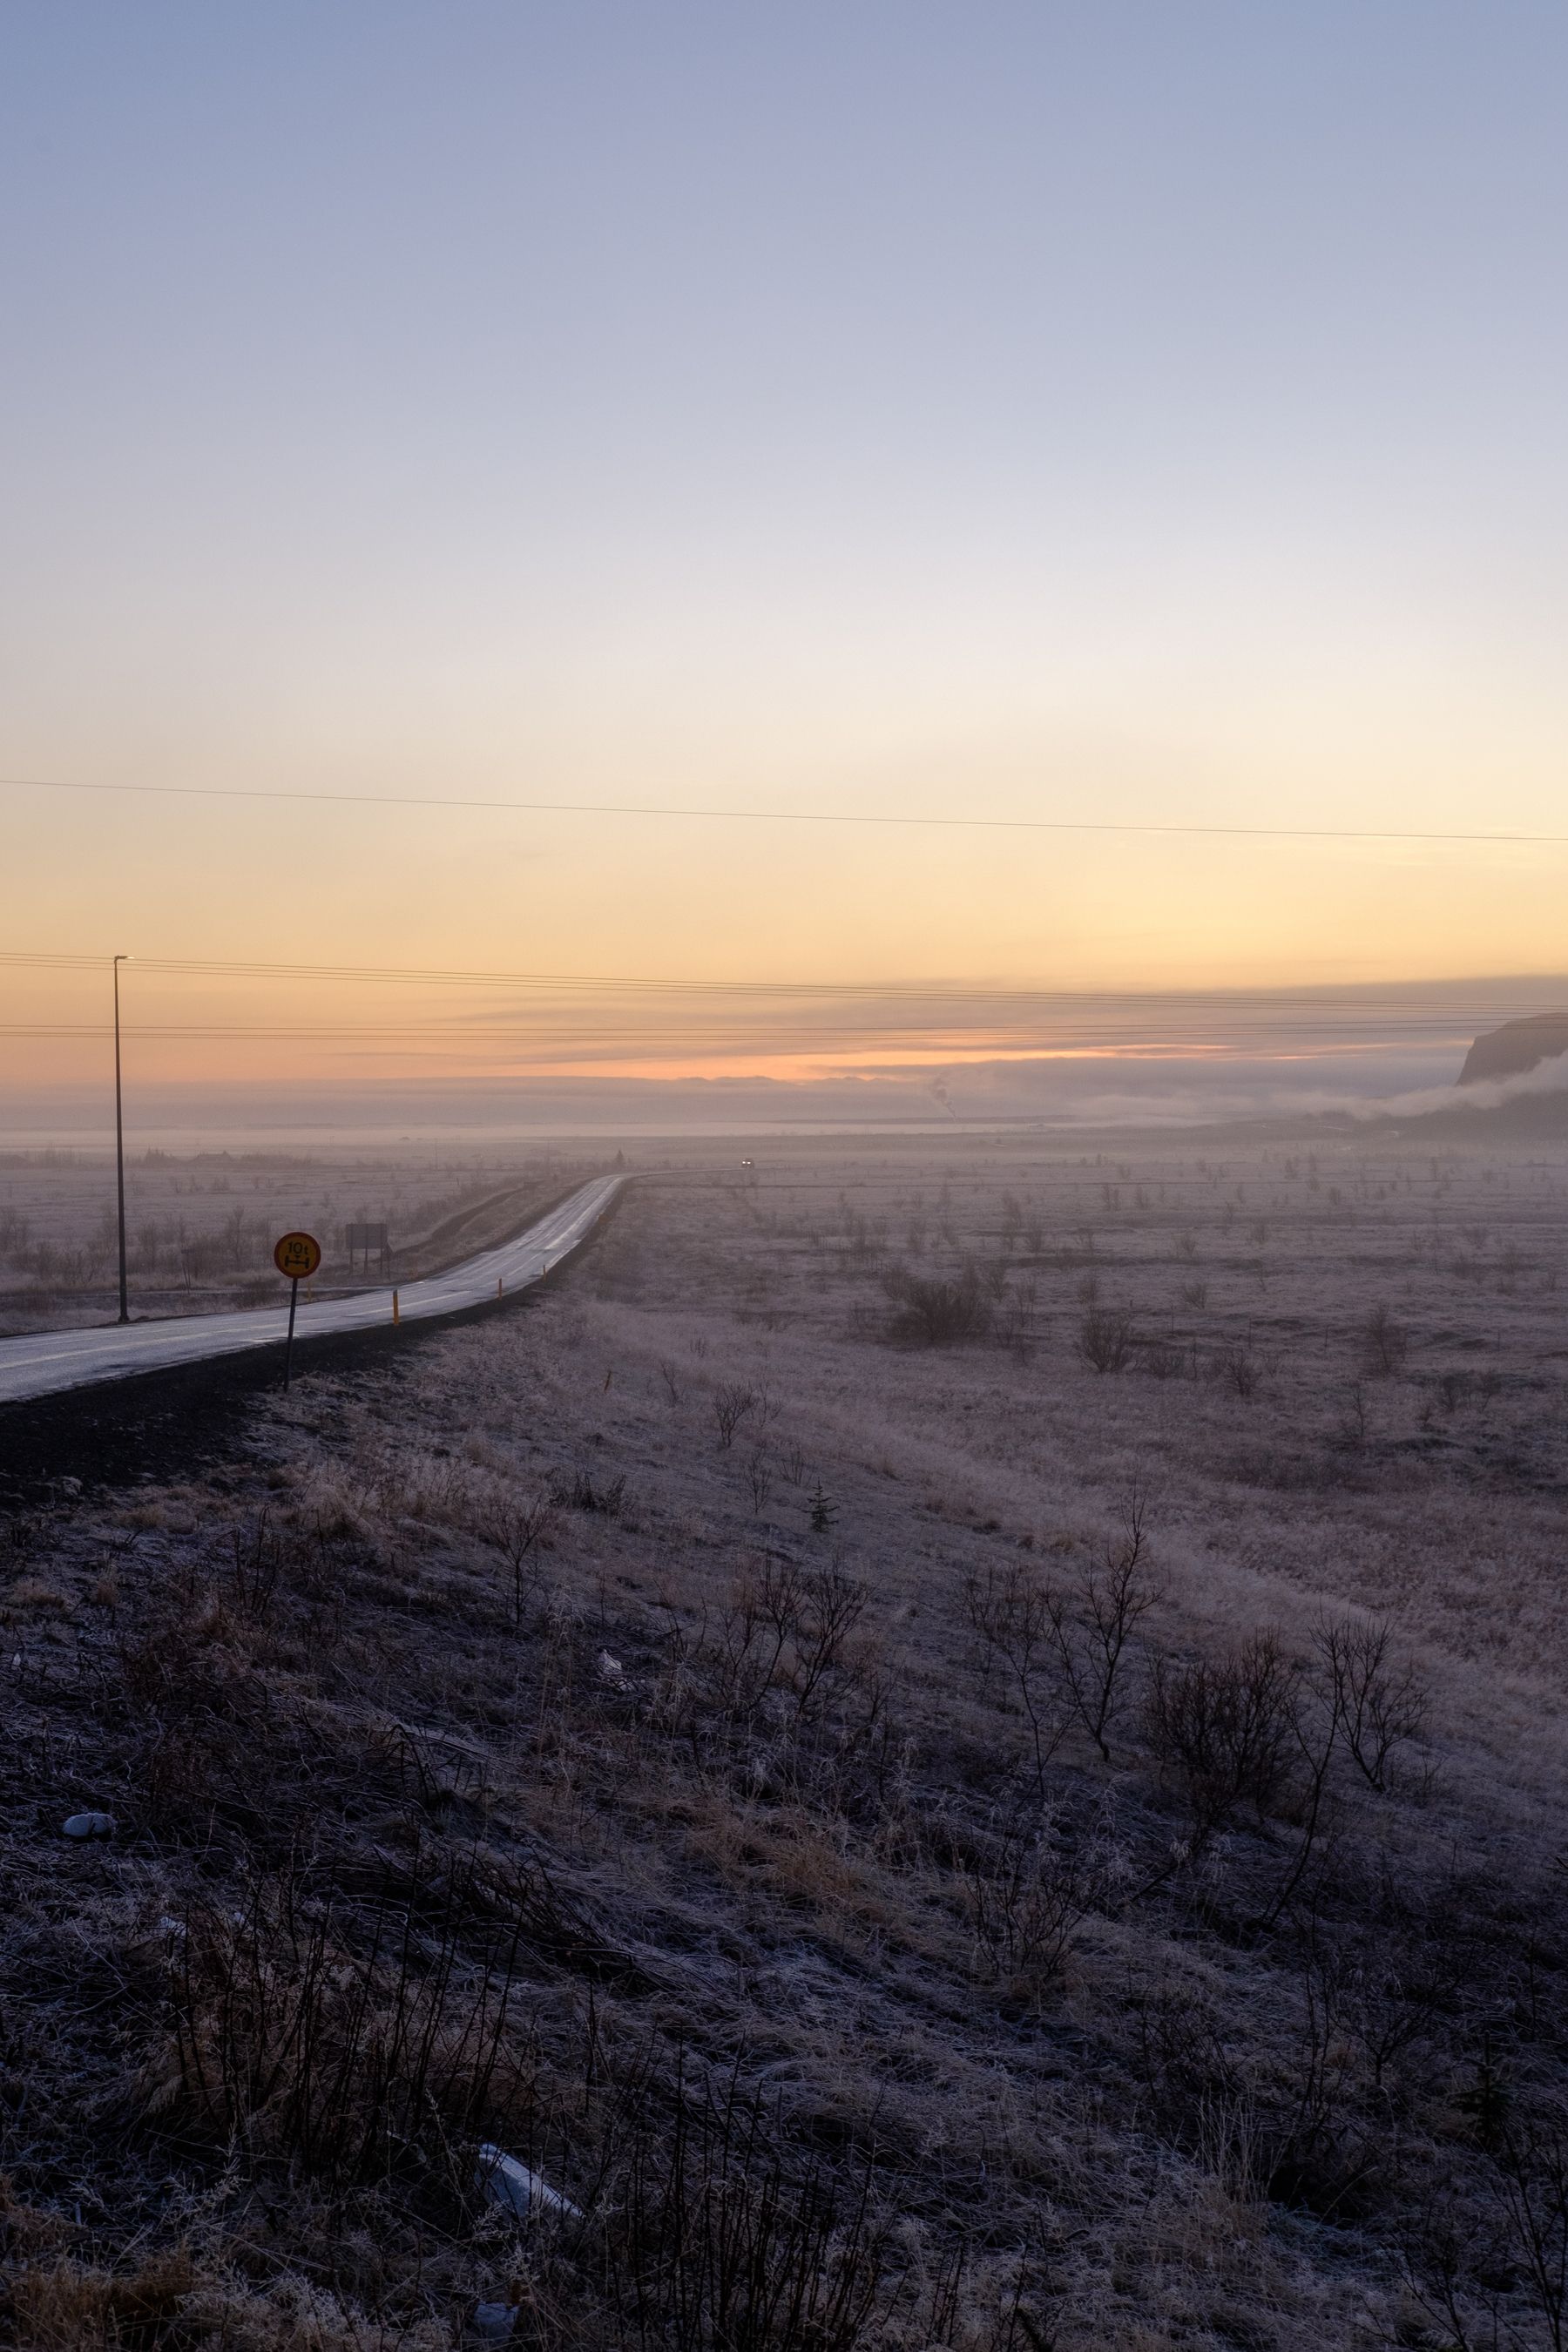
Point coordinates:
[(1105, 1339), (1113, 1598), (1236, 1367), (260, 1556), (582, 1493), (1376, 1704), (733, 1403), (1223, 1729), (1011, 1612), (760, 1479), (789, 1629), (1063, 1651), (1466, 2264), (1351, 1429), (1533, 2179), (516, 1528), (937, 1314), (1023, 1899), (713, 2237), (1386, 1343)]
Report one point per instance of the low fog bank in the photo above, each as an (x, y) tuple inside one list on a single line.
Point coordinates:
[(1092, 1091), (1360, 1083), (1532, 1103)]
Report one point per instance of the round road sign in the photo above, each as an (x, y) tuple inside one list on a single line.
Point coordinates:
[(297, 1255)]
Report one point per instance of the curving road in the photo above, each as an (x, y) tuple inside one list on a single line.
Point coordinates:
[(41, 1362)]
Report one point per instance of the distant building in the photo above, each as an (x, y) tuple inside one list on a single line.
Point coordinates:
[(364, 1240)]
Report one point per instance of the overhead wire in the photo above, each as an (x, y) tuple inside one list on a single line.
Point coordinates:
[(1441, 998), (883, 818)]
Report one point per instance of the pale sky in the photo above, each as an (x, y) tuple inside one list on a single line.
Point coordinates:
[(1132, 411)]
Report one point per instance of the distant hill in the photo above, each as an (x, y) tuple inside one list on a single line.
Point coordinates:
[(1516, 1046)]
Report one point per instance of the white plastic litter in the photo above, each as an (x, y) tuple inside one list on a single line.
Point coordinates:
[(90, 1825), (492, 2323), (507, 2182)]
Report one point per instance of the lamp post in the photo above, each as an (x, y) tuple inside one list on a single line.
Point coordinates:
[(119, 1144)]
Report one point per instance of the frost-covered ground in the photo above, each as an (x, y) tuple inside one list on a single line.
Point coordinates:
[(926, 1840)]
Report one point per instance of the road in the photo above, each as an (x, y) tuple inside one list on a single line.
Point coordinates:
[(40, 1363)]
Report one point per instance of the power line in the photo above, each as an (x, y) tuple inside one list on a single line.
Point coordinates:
[(905, 819), (474, 1039), (1436, 998)]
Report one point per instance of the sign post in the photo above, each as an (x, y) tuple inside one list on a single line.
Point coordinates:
[(297, 1255)]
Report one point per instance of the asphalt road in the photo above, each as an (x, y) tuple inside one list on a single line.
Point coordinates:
[(41, 1363)]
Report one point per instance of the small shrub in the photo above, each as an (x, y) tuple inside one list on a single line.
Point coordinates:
[(1386, 1343), (1223, 1729), (580, 1494), (1023, 1899), (1105, 1340), (1376, 1704), (1010, 1611), (1064, 1651), (937, 1314), (714, 2237), (1351, 1429), (733, 1405), (1235, 1368), (515, 1528)]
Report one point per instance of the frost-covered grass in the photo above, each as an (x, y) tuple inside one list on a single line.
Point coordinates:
[(686, 1733)]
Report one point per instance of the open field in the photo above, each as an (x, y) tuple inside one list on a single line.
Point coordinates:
[(200, 1228), (960, 1743)]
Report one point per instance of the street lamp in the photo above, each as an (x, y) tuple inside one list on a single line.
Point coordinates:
[(119, 1142)]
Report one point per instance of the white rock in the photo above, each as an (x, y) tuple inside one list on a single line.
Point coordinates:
[(510, 2183), (611, 1671), (90, 1825)]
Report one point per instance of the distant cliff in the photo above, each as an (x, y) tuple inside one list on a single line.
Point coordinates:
[(1516, 1046)]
